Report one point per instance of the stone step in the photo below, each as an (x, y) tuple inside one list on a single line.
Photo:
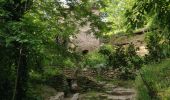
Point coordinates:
[(121, 98), (122, 91), (59, 96), (109, 87), (75, 96), (117, 96), (103, 96)]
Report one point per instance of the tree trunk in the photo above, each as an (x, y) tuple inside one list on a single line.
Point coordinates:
[(21, 78)]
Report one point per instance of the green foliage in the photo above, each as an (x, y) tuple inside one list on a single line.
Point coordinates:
[(114, 12), (158, 46), (95, 60), (28, 28), (157, 77), (134, 59), (39, 92), (126, 60), (162, 11), (118, 58), (51, 77), (132, 63), (106, 50), (158, 10), (123, 58), (14, 49), (142, 92), (153, 14)]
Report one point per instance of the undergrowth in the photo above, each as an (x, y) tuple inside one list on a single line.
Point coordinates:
[(153, 82)]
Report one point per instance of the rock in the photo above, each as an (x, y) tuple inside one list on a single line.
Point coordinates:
[(102, 83), (102, 96), (123, 91), (109, 87), (59, 96), (110, 98), (75, 97), (119, 98), (109, 92), (74, 86)]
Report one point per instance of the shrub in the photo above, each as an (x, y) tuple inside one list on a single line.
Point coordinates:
[(38, 82), (126, 60), (133, 59), (106, 50), (68, 63), (158, 45), (118, 58), (95, 60)]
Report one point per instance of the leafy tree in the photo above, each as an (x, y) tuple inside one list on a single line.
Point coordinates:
[(157, 9), (14, 47), (155, 15), (158, 13), (27, 30), (114, 12)]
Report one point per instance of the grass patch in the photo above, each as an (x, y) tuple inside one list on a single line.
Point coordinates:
[(157, 76)]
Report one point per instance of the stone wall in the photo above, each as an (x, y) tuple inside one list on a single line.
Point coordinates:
[(106, 74), (85, 39)]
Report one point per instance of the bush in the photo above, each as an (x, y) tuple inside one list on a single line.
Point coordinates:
[(126, 60), (123, 58), (39, 81), (118, 58), (106, 50), (69, 64), (95, 60), (158, 45), (133, 59)]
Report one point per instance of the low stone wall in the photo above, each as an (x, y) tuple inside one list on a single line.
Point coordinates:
[(106, 74)]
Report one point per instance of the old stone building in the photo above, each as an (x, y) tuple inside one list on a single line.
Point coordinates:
[(85, 40)]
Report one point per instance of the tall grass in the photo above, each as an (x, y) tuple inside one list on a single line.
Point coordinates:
[(157, 77)]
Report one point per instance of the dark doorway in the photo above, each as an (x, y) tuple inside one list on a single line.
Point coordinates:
[(84, 52)]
